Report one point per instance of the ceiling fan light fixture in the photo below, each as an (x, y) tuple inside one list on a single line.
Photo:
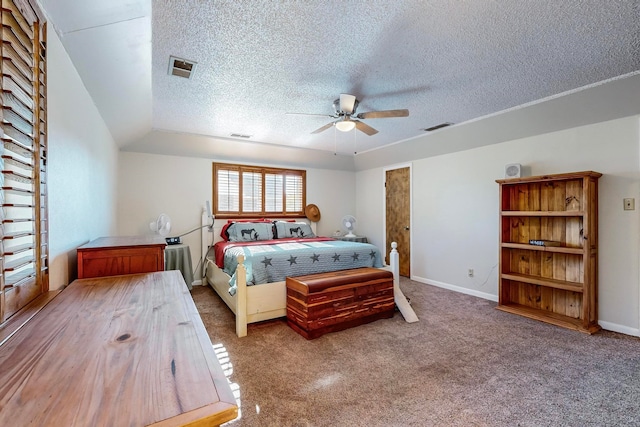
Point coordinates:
[(345, 125)]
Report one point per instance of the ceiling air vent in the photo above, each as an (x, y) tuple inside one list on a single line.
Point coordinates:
[(240, 135), (181, 67), (436, 127)]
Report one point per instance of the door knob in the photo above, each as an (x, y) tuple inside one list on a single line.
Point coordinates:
[(406, 227)]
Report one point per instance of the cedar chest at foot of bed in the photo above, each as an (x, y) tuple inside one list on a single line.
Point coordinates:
[(328, 302)]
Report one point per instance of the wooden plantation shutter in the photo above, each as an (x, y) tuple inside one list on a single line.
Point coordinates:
[(273, 192), (294, 196), (228, 190), (251, 192), (254, 191), (23, 160)]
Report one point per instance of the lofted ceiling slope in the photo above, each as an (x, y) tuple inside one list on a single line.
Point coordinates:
[(444, 60)]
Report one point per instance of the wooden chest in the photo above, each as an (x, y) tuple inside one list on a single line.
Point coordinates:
[(328, 302)]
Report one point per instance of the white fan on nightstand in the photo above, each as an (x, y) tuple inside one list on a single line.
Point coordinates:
[(349, 223), (162, 225)]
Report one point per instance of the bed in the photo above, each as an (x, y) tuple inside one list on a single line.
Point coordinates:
[(254, 302)]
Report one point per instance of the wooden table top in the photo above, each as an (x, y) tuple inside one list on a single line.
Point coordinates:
[(124, 241), (115, 351)]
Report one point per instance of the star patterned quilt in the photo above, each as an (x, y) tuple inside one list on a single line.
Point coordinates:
[(274, 260)]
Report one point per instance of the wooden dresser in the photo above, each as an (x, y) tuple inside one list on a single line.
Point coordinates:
[(115, 351), (113, 256)]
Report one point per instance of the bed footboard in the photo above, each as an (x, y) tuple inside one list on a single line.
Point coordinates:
[(242, 292)]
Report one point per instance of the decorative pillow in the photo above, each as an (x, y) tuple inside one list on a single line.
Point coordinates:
[(223, 231), (250, 231), (286, 229)]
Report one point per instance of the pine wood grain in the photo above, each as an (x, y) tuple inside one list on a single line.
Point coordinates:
[(557, 283), (126, 350)]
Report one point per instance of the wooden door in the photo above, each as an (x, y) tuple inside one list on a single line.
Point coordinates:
[(398, 215)]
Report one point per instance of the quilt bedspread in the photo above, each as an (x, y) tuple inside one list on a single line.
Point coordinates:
[(273, 262)]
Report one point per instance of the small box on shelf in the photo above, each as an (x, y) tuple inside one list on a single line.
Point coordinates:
[(545, 242)]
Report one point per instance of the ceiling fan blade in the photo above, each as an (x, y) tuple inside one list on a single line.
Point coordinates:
[(384, 114), (362, 127), (311, 114), (347, 103), (323, 128)]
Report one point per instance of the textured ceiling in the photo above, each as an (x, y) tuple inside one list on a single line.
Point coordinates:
[(446, 61)]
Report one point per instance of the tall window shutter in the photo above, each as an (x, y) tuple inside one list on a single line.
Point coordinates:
[(294, 193), (228, 190), (23, 158), (251, 192), (273, 192)]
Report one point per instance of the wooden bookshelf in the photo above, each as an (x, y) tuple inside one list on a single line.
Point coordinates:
[(555, 284)]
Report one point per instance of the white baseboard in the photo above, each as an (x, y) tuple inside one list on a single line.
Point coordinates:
[(609, 326), (614, 327), (455, 288), (196, 283)]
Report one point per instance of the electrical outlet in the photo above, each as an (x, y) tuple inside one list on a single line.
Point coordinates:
[(470, 272), (629, 204)]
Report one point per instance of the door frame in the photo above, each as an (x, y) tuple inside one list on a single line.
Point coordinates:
[(384, 210)]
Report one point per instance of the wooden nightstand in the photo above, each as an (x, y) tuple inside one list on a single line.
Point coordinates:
[(113, 256)]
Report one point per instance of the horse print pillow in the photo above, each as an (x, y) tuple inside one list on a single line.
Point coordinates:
[(286, 229), (250, 231)]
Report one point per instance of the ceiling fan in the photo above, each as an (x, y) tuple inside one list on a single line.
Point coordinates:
[(345, 111)]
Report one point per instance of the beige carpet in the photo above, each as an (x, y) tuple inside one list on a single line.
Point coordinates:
[(463, 364)]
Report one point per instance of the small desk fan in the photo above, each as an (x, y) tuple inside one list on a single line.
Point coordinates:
[(162, 225), (349, 223)]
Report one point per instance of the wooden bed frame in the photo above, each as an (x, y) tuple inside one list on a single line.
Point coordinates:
[(252, 304)]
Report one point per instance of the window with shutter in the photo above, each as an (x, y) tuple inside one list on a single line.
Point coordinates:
[(23, 197), (253, 191)]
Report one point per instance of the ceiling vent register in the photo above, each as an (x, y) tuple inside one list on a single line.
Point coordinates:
[(181, 67), (436, 127)]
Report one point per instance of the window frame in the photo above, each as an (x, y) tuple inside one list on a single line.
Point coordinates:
[(263, 171)]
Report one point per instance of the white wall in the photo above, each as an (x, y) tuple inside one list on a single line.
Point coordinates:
[(455, 211), (150, 184), (82, 167)]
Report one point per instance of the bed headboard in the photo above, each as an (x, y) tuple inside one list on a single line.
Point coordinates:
[(211, 236)]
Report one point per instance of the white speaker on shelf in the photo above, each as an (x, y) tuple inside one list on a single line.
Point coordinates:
[(512, 170)]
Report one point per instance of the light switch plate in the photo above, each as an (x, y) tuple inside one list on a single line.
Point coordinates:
[(629, 204)]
